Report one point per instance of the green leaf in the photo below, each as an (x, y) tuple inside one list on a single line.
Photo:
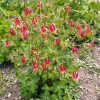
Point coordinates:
[(95, 6)]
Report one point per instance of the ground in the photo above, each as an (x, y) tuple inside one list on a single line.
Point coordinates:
[(90, 85), (89, 81)]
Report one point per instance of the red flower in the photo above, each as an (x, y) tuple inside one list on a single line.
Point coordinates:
[(81, 33), (47, 61), (88, 30), (74, 50), (24, 31), (57, 42), (62, 69), (27, 11), (34, 22), (79, 27), (17, 21), (68, 8), (40, 5), (92, 45), (43, 29), (12, 31), (52, 28), (33, 50), (44, 67), (71, 24), (75, 76), (7, 43), (35, 66), (24, 59)]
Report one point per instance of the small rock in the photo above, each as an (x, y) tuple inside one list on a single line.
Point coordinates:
[(9, 95)]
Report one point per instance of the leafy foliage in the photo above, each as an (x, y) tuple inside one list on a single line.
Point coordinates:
[(45, 40), (4, 34)]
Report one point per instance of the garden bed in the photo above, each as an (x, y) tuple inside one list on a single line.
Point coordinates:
[(90, 86), (89, 80), (53, 49)]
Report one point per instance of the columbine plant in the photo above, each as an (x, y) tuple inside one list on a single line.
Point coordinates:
[(47, 42)]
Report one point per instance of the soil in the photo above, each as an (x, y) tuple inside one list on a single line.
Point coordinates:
[(90, 76), (90, 85), (11, 84), (89, 81)]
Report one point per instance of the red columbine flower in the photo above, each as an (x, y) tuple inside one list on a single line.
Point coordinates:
[(92, 45), (35, 66), (7, 43), (71, 24), (27, 11), (43, 31), (34, 22), (68, 8), (17, 21), (47, 61), (88, 30), (44, 67), (24, 59), (81, 33), (62, 69), (12, 31), (52, 28), (57, 42), (79, 27), (40, 5), (74, 50), (24, 31), (75, 76)]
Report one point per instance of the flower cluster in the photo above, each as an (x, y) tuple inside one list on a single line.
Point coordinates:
[(44, 30), (48, 44)]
